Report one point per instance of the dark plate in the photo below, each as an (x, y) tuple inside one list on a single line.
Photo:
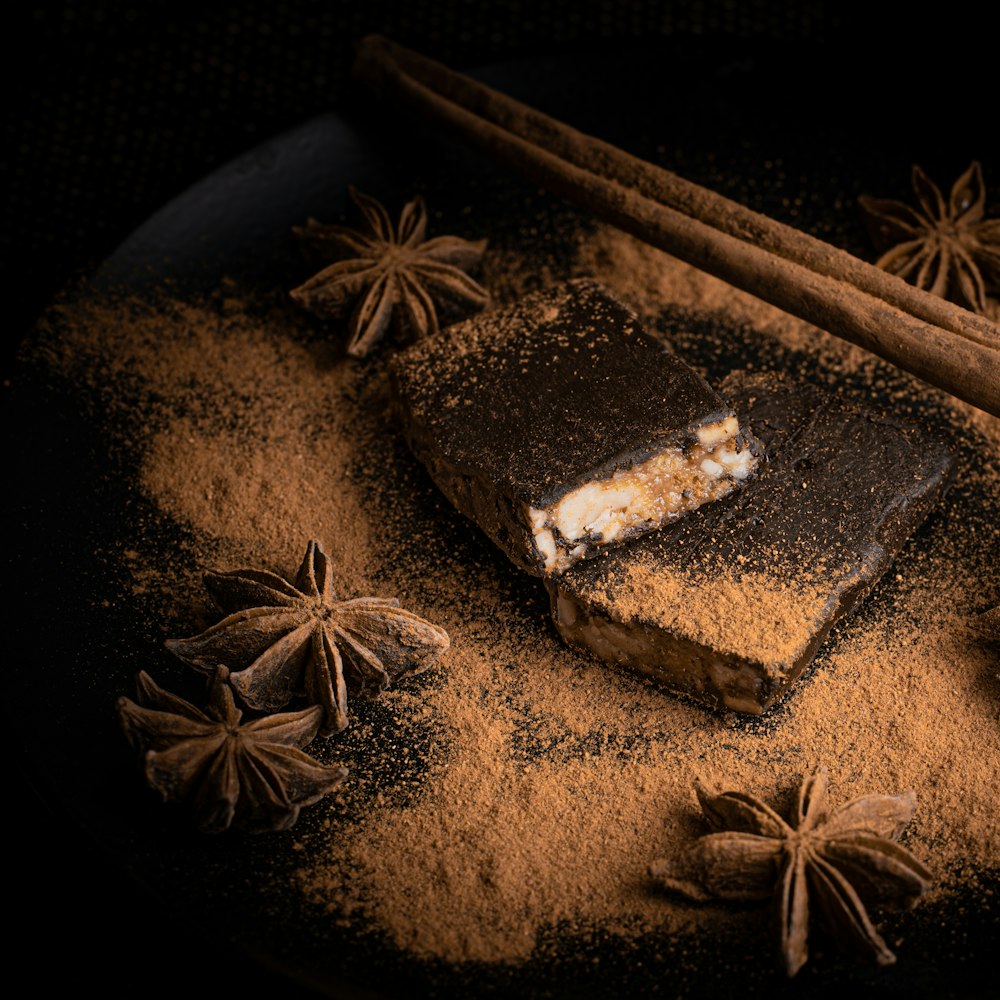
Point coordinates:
[(767, 127)]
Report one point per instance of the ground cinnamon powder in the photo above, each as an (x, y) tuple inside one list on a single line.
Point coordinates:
[(532, 786)]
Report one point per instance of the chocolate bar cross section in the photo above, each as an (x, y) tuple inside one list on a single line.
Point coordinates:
[(560, 426), (730, 604)]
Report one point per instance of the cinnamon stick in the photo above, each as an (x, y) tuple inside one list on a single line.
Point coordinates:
[(939, 342)]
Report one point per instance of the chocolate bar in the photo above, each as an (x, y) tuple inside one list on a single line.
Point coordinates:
[(560, 426), (730, 604)]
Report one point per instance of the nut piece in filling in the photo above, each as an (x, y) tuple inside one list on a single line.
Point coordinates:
[(560, 426), (729, 605), (642, 496)]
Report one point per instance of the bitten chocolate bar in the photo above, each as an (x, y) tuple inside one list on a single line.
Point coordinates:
[(560, 426), (730, 604)]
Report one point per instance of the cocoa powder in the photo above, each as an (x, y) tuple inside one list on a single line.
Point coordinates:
[(548, 781)]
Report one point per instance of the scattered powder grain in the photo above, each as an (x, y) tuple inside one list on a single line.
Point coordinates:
[(548, 781)]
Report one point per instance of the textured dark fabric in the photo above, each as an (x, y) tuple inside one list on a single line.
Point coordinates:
[(119, 105)]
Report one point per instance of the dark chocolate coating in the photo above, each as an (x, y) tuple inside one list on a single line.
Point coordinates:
[(841, 491), (522, 405)]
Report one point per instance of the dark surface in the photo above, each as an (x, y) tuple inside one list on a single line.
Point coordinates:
[(841, 491), (116, 107), (119, 107)]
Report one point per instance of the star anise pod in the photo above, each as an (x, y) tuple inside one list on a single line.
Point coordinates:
[(843, 860), (282, 639), (249, 775), (389, 272), (944, 247)]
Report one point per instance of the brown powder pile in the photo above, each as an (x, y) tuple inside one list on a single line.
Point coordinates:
[(548, 782), (244, 435), (500, 845)]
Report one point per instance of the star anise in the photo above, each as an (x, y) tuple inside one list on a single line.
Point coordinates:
[(389, 272), (249, 775), (282, 639), (944, 247), (843, 860)]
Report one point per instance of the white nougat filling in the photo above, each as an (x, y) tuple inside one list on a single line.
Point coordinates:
[(643, 496)]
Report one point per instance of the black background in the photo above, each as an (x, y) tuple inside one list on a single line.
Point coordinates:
[(115, 107)]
